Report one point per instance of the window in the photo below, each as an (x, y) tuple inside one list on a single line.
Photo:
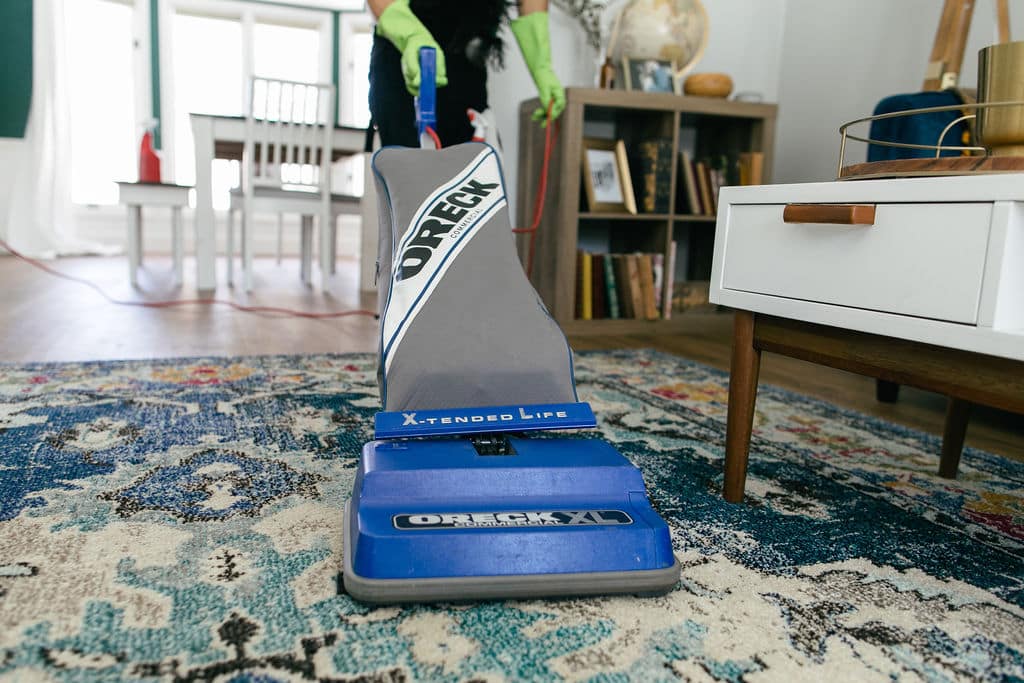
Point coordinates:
[(207, 58), (215, 48), (286, 52), (100, 78), (209, 48), (354, 107), (356, 97)]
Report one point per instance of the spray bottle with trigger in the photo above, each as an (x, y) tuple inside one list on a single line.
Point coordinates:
[(149, 161), (484, 128)]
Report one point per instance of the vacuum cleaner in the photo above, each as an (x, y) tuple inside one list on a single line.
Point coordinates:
[(465, 493)]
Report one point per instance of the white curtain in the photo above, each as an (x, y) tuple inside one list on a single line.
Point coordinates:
[(40, 220)]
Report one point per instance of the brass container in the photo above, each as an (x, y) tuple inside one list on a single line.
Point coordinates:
[(1001, 79)]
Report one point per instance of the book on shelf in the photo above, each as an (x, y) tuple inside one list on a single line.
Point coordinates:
[(611, 290), (700, 169), (714, 184), (709, 173), (715, 181), (622, 280), (655, 171), (636, 294), (658, 266), (700, 181), (645, 274), (750, 166), (623, 286), (584, 291), (689, 183), (578, 300), (599, 296), (670, 274)]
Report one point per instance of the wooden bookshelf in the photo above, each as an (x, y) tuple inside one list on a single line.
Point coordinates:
[(712, 126)]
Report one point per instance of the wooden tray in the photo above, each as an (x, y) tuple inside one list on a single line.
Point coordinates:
[(917, 168)]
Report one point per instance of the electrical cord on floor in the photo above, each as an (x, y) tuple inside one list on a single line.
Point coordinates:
[(550, 135), (182, 302)]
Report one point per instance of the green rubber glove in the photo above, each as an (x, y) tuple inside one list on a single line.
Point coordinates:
[(534, 38), (398, 24)]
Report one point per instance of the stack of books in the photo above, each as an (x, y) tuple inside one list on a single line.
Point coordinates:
[(701, 180), (623, 286)]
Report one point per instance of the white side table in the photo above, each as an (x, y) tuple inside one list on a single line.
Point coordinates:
[(915, 281), (137, 195)]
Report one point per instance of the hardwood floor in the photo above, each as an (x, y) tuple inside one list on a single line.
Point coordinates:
[(43, 318)]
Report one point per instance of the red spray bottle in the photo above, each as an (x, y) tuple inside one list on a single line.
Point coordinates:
[(149, 162)]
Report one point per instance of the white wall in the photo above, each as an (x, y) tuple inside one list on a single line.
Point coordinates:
[(838, 59), (575, 64), (743, 41)]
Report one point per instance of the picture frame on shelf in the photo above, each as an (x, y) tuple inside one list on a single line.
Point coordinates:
[(650, 75), (606, 178)]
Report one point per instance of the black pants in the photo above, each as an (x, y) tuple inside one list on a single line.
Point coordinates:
[(391, 105)]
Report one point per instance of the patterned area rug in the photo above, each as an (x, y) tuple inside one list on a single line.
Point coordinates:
[(180, 520)]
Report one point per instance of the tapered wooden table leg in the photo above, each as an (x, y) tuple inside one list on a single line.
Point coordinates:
[(958, 412), (746, 364)]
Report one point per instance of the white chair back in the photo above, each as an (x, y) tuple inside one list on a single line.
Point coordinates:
[(288, 135)]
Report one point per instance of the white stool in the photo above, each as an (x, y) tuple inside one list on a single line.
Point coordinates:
[(137, 195)]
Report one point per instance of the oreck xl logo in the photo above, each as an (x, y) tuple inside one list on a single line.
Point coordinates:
[(474, 520)]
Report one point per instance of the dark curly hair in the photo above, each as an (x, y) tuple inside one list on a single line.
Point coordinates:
[(468, 26)]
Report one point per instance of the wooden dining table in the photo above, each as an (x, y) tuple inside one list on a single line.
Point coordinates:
[(223, 137)]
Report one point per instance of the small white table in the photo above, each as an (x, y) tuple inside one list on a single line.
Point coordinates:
[(915, 281), (222, 137), (137, 195)]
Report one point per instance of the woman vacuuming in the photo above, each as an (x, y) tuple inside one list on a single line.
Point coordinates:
[(466, 37)]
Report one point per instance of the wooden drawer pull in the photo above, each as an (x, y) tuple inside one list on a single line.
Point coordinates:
[(838, 214)]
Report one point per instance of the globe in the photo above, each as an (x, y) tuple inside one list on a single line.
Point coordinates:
[(675, 30)]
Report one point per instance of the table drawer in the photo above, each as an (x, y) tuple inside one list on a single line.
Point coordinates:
[(923, 260)]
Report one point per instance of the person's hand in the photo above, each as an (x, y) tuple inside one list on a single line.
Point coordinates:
[(534, 38), (398, 24), (550, 91), (411, 62)]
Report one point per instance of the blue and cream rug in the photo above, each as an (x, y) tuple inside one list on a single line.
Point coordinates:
[(181, 520)]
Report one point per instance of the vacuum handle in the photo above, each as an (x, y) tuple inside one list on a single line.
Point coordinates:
[(426, 101)]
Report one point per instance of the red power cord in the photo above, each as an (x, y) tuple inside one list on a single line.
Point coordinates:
[(550, 135), (180, 302)]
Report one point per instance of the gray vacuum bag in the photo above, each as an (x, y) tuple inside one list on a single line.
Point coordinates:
[(460, 325)]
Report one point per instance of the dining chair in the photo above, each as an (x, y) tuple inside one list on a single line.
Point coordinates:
[(286, 168)]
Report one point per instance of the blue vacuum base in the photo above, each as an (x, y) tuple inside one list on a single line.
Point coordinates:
[(439, 519)]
